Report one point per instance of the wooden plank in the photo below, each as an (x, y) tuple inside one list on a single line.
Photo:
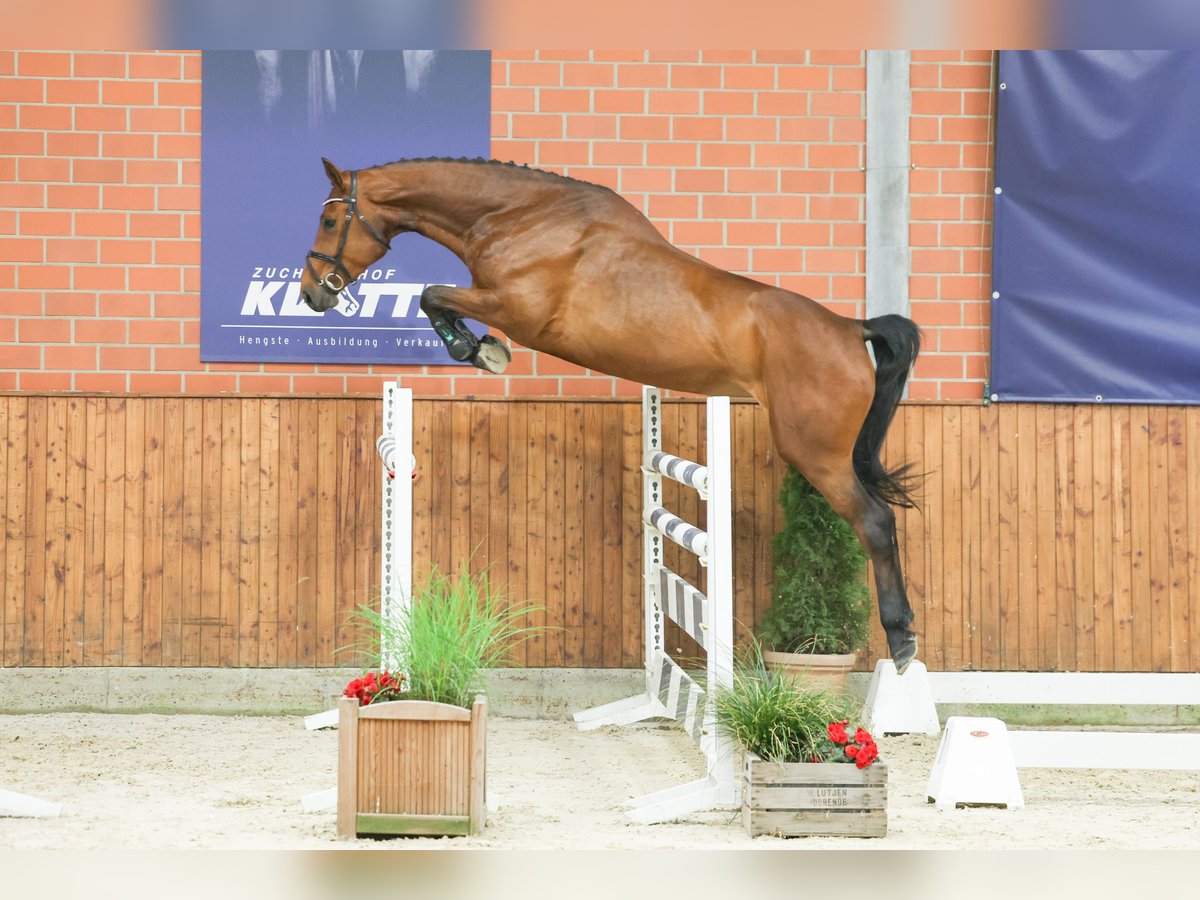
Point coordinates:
[(249, 532), (193, 533), (347, 464), (114, 532), (1159, 544), (479, 486), (425, 449), (972, 537), (347, 783), (565, 535), (14, 475), (477, 790), (953, 580), (1102, 531), (1177, 573), (153, 493), (134, 506), (308, 543), (290, 515), (92, 651), (54, 541), (413, 824), (1122, 544), (173, 542), (612, 534), (34, 627), (989, 553), (516, 563), (592, 549), (1064, 516), (499, 483), (417, 710), (268, 537), (441, 490), (1139, 533), (1085, 611), (935, 525), (1009, 531), (75, 528), (1193, 499), (334, 545), (536, 570), (916, 524), (1024, 598), (460, 497), (228, 531), (1045, 609)]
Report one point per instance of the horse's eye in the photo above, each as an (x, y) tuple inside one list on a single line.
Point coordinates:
[(328, 223)]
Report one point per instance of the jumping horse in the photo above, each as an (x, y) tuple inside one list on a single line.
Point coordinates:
[(572, 269)]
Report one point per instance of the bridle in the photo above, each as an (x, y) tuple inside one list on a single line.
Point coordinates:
[(339, 270)]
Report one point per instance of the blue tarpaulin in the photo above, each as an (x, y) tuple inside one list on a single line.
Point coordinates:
[(1096, 261)]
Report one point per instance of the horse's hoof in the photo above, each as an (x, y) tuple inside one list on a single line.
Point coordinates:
[(492, 356), (906, 654)]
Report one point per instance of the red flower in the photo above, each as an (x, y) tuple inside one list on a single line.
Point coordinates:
[(862, 736), (837, 732)]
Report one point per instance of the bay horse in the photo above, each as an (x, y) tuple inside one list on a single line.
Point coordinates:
[(572, 269)]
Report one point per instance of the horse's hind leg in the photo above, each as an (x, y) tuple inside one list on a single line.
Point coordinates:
[(875, 524), (446, 307), (830, 471)]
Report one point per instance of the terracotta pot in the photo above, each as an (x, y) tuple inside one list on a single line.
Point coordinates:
[(828, 669)]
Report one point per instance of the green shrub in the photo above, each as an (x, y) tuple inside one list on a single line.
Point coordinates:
[(820, 602)]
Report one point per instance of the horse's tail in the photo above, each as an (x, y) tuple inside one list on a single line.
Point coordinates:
[(896, 342)]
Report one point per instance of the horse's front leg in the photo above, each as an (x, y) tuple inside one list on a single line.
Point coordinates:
[(446, 307)]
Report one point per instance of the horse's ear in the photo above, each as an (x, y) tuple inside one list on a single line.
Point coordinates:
[(336, 177)]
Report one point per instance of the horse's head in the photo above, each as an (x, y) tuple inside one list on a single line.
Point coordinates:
[(347, 242)]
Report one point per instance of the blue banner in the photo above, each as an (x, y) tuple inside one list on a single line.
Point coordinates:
[(269, 118), (1096, 262)]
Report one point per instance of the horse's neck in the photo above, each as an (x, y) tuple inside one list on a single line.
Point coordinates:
[(442, 201)]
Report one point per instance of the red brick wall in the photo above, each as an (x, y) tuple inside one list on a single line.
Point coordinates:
[(752, 161)]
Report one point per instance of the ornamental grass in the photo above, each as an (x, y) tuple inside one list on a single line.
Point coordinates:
[(777, 716), (455, 628)]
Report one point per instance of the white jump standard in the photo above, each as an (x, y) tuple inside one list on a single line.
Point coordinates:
[(707, 616), (394, 446)]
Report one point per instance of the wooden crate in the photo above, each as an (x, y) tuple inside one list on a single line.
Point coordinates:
[(411, 767), (794, 799)]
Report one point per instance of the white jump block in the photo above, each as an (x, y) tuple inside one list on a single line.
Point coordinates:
[(975, 766), (23, 806), (317, 721), (900, 704)]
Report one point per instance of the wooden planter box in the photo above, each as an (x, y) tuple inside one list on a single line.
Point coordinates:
[(411, 767), (794, 799)]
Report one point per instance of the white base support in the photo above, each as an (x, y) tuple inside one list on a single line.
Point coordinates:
[(621, 712), (26, 807), (900, 704), (319, 801), (1105, 750), (671, 803), (975, 766), (317, 721)]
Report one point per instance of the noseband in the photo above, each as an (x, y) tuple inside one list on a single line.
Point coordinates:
[(339, 270)]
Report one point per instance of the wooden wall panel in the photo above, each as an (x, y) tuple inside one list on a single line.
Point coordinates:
[(245, 531)]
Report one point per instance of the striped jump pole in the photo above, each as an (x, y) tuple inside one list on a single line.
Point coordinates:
[(705, 615)]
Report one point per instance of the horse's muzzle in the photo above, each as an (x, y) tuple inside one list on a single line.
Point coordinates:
[(319, 299)]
